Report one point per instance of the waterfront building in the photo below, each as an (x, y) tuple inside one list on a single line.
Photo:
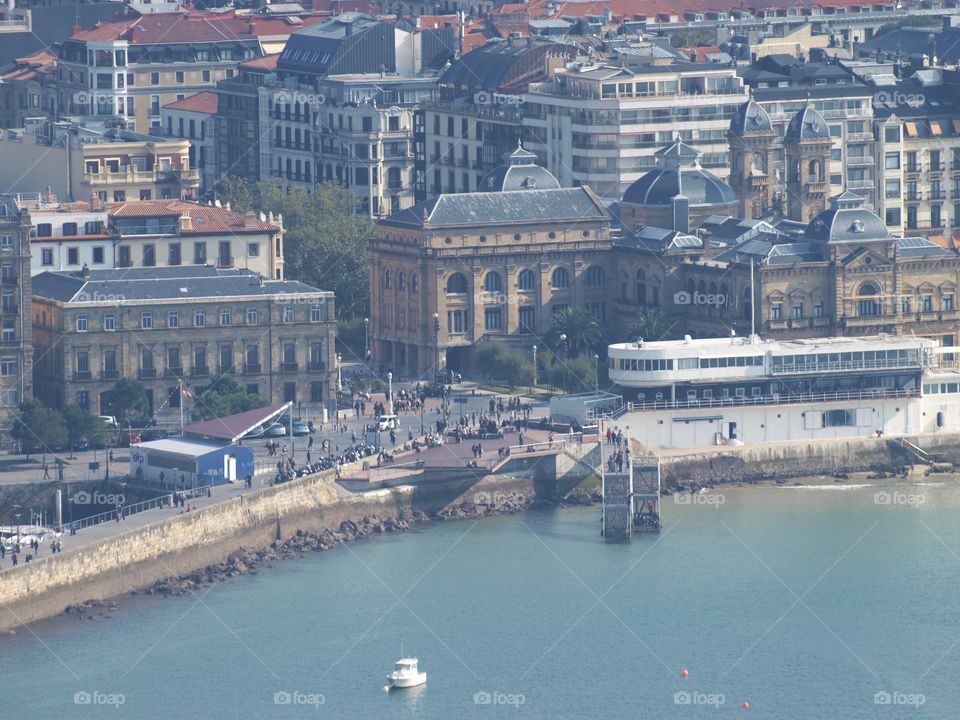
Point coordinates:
[(491, 266), (16, 329), (600, 125), (171, 325), (77, 161), (744, 390)]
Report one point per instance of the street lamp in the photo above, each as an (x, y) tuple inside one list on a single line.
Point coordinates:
[(436, 341), (366, 340), (534, 366), (339, 373), (389, 393), (596, 373), (561, 349)]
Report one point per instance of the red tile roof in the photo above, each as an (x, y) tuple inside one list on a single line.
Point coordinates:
[(203, 102), (268, 62), (206, 218), (233, 427)]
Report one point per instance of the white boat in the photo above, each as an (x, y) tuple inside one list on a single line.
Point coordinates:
[(406, 674)]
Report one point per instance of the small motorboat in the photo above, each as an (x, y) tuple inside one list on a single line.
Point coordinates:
[(406, 674)]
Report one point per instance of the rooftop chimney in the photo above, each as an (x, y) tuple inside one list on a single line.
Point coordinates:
[(186, 222), (86, 271)]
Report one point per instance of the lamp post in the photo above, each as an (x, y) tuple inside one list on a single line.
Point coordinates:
[(534, 367), (389, 393), (561, 350), (596, 373), (366, 341), (339, 373), (436, 342)]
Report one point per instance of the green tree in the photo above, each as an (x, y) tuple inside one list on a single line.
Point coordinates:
[(128, 399), (83, 425), (651, 325), (574, 375), (581, 329), (326, 235), (36, 425), (226, 397)]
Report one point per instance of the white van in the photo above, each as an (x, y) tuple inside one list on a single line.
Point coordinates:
[(387, 422)]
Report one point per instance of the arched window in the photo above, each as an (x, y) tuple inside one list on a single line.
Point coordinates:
[(527, 281), (868, 304), (596, 277), (814, 173), (414, 282), (641, 287), (387, 278), (560, 279), (457, 284), (401, 281), (702, 288), (492, 282), (713, 288)]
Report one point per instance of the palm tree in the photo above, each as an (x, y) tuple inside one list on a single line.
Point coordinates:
[(651, 325), (580, 327)]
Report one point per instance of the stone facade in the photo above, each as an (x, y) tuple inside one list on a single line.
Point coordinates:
[(16, 340)]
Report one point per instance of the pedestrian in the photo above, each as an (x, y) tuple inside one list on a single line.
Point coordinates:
[(521, 438), (162, 478), (13, 557), (308, 457)]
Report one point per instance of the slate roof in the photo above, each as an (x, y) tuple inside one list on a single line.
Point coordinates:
[(847, 221), (497, 64), (944, 43), (492, 208), (750, 118), (807, 124), (919, 247), (161, 283), (518, 171), (660, 185), (763, 251)]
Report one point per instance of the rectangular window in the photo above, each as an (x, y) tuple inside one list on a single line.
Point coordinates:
[(199, 318), (288, 314), (173, 320), (251, 316), (316, 313), (146, 320), (200, 253), (98, 255), (46, 256), (891, 160), (173, 254), (492, 319), (109, 323), (776, 311), (81, 323), (226, 317), (527, 319)]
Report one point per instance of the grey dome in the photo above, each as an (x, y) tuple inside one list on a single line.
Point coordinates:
[(519, 171), (679, 174), (751, 118), (847, 221), (807, 124)]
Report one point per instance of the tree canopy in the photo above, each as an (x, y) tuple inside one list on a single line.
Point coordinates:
[(326, 235), (225, 397), (651, 325), (36, 425), (581, 329), (83, 425), (128, 398)]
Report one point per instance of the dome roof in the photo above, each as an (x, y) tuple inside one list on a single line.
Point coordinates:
[(807, 124), (679, 173), (519, 171), (847, 221), (751, 118)]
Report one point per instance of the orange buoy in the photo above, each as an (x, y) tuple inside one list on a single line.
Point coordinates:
[(745, 706), (684, 674)]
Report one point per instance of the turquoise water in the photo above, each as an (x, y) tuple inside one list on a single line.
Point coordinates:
[(803, 602)]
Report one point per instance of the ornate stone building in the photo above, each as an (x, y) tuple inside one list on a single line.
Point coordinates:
[(752, 156), (807, 146), (489, 266)]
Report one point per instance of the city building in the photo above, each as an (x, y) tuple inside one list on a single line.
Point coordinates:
[(195, 119), (28, 89), (16, 330), (176, 326), (131, 68), (477, 116), (601, 125), (76, 162), (491, 266), (918, 135), (66, 235)]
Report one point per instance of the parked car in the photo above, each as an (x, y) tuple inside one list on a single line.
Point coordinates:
[(258, 431), (387, 422), (275, 430), (301, 427), (110, 420)]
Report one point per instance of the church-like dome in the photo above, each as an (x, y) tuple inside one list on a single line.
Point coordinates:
[(519, 171), (678, 173), (750, 118), (847, 221), (807, 124)]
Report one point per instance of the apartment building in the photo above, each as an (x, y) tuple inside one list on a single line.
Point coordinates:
[(16, 330), (28, 89), (195, 119), (77, 162), (918, 135), (173, 325), (601, 125), (784, 86), (131, 68)]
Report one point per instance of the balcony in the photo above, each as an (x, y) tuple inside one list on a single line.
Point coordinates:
[(818, 188), (129, 176), (82, 376), (173, 372), (10, 309), (252, 368), (8, 279), (110, 374), (226, 369), (148, 373), (201, 371), (287, 367), (317, 366), (224, 262), (9, 344)]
